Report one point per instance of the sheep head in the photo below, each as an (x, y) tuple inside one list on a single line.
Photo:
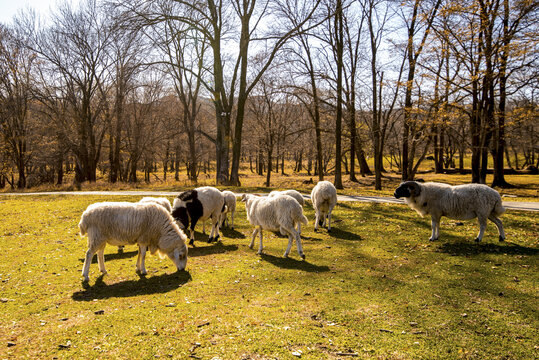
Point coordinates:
[(408, 189)]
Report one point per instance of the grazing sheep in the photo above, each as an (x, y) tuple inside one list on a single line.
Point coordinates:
[(199, 204), (461, 202), (160, 201), (230, 202), (163, 201), (280, 212), (148, 225), (324, 198), (295, 194)]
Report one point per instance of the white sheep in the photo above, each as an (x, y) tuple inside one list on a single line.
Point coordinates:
[(324, 198), (148, 225), (230, 202), (280, 212), (199, 204), (461, 202), (295, 194), (163, 201)]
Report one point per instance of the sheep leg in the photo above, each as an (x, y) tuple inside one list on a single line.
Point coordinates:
[(316, 220), (87, 261), (232, 221), (499, 225), (299, 228), (482, 227), (253, 238), (260, 247), (101, 260), (290, 242), (329, 220), (192, 237), (141, 260), (435, 225)]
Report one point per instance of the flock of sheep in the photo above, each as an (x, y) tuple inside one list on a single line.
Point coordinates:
[(154, 225)]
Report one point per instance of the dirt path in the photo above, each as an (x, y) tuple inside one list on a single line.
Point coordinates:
[(512, 205)]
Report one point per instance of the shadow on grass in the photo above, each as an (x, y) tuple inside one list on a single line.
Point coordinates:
[(343, 234), (231, 233), (472, 248), (144, 286), (215, 248), (289, 263), (115, 256)]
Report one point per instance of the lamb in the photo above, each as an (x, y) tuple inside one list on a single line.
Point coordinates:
[(461, 202), (148, 225), (230, 202), (280, 212), (324, 198), (163, 201), (295, 194), (199, 204)]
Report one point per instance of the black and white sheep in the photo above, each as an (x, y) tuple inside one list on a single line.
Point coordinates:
[(230, 204), (199, 204), (280, 212), (461, 202), (148, 225), (295, 194), (324, 198)]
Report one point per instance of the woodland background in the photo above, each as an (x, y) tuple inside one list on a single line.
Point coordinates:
[(121, 90)]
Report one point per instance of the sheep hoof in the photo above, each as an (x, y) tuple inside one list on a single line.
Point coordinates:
[(315, 230), (329, 230), (433, 239), (216, 239), (303, 256), (192, 242), (285, 256), (477, 240), (502, 238), (210, 240)]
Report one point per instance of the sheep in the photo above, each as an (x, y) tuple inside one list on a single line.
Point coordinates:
[(163, 201), (461, 202), (280, 212), (295, 194), (324, 198), (199, 204), (230, 202), (148, 225)]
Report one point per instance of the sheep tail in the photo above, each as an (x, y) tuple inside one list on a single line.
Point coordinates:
[(498, 207), (82, 227), (304, 220)]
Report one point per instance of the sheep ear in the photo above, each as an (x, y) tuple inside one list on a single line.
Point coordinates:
[(414, 187), (244, 197)]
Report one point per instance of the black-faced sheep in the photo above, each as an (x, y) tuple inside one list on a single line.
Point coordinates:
[(199, 204), (230, 202), (461, 202), (324, 198), (280, 212), (148, 225)]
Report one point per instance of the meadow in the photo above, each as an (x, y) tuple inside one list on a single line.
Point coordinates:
[(374, 287)]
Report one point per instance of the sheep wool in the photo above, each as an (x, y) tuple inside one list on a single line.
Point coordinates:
[(230, 203), (324, 198), (147, 225), (460, 202), (280, 212)]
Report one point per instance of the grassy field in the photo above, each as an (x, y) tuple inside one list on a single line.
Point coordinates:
[(372, 288)]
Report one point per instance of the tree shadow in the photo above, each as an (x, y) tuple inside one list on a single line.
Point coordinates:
[(471, 248), (293, 264), (215, 248), (144, 286)]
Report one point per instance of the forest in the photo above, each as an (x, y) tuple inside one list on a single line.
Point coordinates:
[(121, 89)]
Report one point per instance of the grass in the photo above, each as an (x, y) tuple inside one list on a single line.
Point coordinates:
[(372, 288)]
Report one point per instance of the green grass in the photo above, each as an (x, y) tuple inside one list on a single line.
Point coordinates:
[(374, 287)]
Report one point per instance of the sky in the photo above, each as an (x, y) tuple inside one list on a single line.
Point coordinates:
[(9, 8)]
